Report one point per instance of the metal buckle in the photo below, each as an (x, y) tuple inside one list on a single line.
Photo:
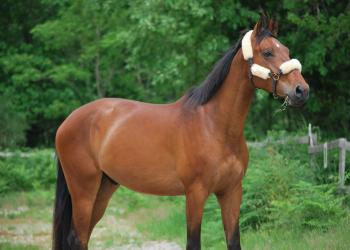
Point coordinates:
[(275, 76)]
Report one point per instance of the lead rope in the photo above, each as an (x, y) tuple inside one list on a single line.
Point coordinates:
[(284, 106)]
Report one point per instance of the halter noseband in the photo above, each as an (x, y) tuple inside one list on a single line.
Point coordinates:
[(262, 72)]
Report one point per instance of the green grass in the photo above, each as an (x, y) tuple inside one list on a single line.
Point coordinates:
[(170, 227), (334, 238), (22, 204), (173, 227), (10, 246)]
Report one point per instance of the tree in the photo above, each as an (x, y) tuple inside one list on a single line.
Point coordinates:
[(12, 125), (67, 53)]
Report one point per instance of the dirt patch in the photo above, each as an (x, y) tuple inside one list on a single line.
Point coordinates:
[(26, 233), (152, 245)]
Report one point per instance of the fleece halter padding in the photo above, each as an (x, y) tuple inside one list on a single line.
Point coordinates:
[(261, 71)]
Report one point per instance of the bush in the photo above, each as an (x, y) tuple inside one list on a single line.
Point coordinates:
[(27, 171), (310, 206), (281, 190), (269, 177)]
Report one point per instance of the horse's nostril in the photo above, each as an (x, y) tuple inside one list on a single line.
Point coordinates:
[(299, 91)]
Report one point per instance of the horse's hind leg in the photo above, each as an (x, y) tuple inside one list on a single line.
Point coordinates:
[(107, 188), (83, 199), (83, 180)]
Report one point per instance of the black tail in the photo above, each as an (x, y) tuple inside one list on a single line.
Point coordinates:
[(62, 217)]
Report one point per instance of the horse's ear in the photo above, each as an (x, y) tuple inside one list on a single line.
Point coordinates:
[(258, 28), (273, 27), (262, 23)]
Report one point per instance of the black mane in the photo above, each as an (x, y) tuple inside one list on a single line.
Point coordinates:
[(201, 94)]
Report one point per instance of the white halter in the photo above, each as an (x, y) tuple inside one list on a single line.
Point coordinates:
[(261, 71)]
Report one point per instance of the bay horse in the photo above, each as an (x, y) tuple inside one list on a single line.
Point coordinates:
[(193, 147)]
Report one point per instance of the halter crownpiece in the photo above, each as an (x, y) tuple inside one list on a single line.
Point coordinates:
[(262, 72)]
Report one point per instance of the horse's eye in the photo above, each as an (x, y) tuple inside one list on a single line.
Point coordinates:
[(267, 53)]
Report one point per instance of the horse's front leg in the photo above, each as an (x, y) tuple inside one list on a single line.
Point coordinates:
[(195, 200), (230, 201)]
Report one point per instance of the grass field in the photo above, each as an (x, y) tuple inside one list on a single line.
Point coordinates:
[(136, 221)]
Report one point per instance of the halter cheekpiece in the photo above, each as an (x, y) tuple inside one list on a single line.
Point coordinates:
[(262, 72)]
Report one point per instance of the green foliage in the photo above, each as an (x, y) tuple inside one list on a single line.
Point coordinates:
[(281, 190), (67, 53), (27, 171), (266, 181), (311, 206), (12, 125)]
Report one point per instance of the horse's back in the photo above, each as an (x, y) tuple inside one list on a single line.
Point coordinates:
[(95, 114)]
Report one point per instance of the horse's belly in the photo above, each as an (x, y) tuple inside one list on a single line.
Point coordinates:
[(147, 179), (147, 169)]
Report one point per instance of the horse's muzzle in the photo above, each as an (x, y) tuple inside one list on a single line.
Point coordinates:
[(299, 97)]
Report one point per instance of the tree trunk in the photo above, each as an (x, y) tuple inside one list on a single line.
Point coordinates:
[(99, 87)]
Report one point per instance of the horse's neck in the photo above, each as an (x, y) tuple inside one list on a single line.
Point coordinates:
[(230, 105)]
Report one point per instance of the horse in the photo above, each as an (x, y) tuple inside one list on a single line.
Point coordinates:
[(194, 146)]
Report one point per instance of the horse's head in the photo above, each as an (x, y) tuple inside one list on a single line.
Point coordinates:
[(270, 65)]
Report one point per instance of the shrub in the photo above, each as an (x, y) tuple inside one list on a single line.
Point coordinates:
[(28, 171), (310, 206), (279, 190)]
